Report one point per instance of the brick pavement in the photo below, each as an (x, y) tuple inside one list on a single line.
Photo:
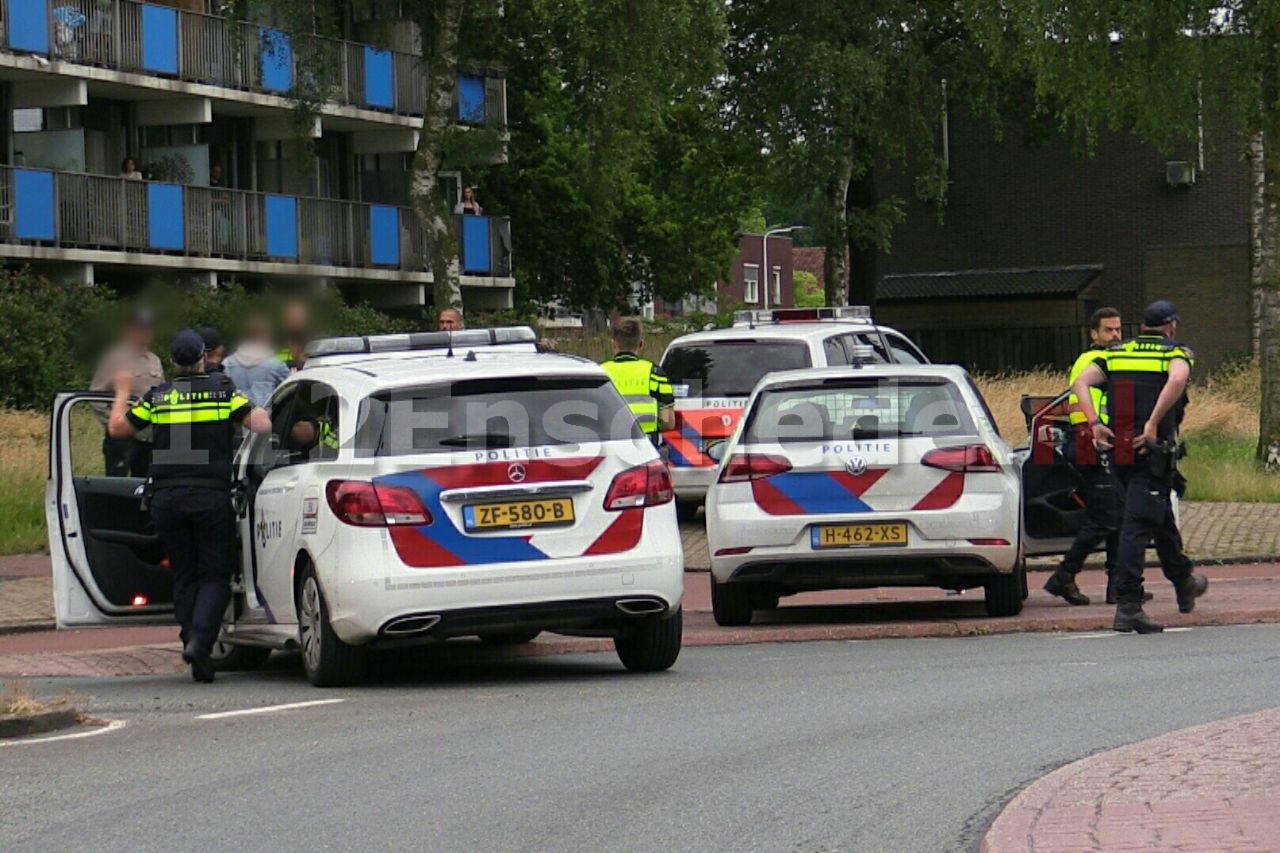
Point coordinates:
[(1209, 789)]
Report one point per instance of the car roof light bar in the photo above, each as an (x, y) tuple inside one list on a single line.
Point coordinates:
[(845, 313), (417, 341)]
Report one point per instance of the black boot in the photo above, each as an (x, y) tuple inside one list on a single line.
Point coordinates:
[(1111, 589), (1189, 590), (201, 666), (1131, 618), (1063, 584)]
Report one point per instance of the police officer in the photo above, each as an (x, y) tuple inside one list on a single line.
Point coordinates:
[(1099, 491), (644, 387), (1146, 386), (194, 418)]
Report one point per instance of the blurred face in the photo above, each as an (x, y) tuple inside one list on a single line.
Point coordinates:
[(139, 336), (450, 320), (1107, 333), (295, 318), (129, 166), (467, 194)]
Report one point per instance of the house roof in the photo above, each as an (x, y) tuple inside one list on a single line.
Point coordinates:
[(1042, 281)]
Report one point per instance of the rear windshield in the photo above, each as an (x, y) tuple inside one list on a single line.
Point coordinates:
[(494, 413), (730, 368), (842, 409)]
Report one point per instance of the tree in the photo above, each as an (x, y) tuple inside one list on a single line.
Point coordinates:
[(623, 177), (834, 91), (1152, 67), (808, 294)]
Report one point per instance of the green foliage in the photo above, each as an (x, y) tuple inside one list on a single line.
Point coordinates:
[(50, 333), (808, 293)]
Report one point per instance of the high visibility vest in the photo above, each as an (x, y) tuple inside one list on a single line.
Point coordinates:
[(1142, 364), (1098, 395), (631, 378)]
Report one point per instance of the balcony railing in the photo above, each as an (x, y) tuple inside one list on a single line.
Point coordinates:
[(77, 211), (146, 38)]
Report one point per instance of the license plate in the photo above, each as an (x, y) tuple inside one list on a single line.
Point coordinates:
[(859, 535), (515, 514)]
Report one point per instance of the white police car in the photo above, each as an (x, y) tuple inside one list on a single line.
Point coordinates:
[(713, 373), (413, 487), (885, 475)]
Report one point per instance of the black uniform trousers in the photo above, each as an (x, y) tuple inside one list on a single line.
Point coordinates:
[(1147, 515), (197, 529), (1102, 511), (126, 457)]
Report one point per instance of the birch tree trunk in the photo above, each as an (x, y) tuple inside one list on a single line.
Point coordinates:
[(426, 192), (836, 264), (1265, 274)]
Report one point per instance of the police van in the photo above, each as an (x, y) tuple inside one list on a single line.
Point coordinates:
[(412, 488), (714, 372)]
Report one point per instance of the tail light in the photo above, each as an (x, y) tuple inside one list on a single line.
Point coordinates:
[(970, 459), (363, 504), (643, 485), (742, 467)]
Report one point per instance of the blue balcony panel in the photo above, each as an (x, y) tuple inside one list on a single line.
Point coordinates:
[(33, 196), (165, 217), (277, 59), (475, 245), (471, 99), (282, 226), (159, 39), (384, 235), (379, 82), (28, 25)]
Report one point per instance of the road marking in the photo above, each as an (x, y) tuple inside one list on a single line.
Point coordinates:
[(1178, 630), (111, 726), (1100, 635), (1079, 663), (268, 709)]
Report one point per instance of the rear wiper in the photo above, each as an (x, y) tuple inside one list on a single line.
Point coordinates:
[(477, 439)]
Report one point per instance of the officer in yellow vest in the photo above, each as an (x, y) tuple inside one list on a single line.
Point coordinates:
[(1146, 386), (195, 419), (644, 387), (1098, 490)]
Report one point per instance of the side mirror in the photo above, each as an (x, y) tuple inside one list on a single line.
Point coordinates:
[(716, 450)]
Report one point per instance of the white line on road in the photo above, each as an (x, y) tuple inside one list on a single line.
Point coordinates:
[(269, 709), (1100, 635), (111, 726)]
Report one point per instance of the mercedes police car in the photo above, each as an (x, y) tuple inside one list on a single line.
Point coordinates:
[(413, 487), (713, 373), (884, 475)]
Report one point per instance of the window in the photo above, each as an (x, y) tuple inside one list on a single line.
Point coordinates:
[(775, 293), (312, 431), (750, 283), (730, 368), (905, 352), (861, 408), (494, 414), (833, 347)]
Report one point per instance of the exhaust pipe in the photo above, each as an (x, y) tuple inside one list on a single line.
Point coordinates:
[(405, 626), (641, 606)]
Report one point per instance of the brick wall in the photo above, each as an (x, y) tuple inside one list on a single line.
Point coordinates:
[(731, 292), (1017, 205)]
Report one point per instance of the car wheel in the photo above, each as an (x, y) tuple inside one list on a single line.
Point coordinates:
[(228, 657), (687, 510), (1004, 592), (509, 638), (730, 603), (327, 661), (653, 645), (1026, 590), (764, 598)]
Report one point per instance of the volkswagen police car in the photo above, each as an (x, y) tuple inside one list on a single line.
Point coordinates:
[(884, 475), (713, 373), (413, 487)]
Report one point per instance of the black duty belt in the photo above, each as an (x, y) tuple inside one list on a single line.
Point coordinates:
[(191, 483)]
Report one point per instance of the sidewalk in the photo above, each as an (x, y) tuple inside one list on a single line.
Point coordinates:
[(1238, 594), (1206, 789)]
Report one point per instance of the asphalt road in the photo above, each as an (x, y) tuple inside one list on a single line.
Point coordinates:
[(878, 746)]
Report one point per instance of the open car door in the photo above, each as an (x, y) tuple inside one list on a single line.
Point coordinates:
[(107, 561), (1052, 509)]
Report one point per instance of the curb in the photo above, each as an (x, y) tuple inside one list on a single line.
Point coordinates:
[(38, 723), (1050, 564), (30, 627)]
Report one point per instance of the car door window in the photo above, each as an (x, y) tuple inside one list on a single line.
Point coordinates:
[(876, 342), (311, 434), (834, 349), (269, 450), (903, 351)]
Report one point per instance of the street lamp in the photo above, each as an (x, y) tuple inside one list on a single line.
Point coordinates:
[(764, 259)]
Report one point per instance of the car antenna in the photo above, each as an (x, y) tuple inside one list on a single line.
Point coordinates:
[(449, 354)]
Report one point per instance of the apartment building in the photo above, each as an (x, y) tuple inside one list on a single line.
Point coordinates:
[(201, 106)]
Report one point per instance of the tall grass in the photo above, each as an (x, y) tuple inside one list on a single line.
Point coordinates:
[(1221, 430)]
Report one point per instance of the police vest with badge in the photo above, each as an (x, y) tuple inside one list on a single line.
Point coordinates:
[(641, 385)]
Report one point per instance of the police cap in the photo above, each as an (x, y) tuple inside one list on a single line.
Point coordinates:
[(187, 348), (1160, 313)]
